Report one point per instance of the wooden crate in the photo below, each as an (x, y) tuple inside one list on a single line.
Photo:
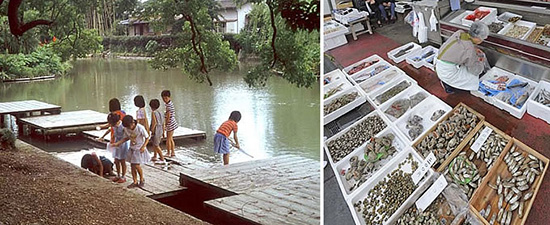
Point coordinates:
[(478, 162), (485, 195), (481, 118)]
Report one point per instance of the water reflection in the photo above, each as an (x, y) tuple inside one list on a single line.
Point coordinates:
[(277, 119)]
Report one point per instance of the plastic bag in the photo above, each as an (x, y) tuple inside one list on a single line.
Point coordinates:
[(458, 201), (422, 29), (433, 22), (111, 149)]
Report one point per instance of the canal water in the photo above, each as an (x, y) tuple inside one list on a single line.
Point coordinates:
[(276, 119)]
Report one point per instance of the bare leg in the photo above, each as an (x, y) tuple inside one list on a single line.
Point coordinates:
[(225, 159), (123, 164), (134, 173), (117, 165), (140, 172), (170, 143), (159, 151)]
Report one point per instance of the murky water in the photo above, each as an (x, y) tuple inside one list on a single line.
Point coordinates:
[(277, 119)]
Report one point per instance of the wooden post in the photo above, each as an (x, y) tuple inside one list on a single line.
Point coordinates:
[(2, 121)]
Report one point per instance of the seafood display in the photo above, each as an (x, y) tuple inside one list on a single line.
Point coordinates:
[(378, 81), (426, 55), (495, 27), (437, 114), (399, 107), (448, 134), (339, 102), (516, 93), (546, 30), (439, 212), (364, 76), (514, 19), (543, 97), (388, 195), (387, 95), (404, 51), (513, 186), (361, 66), (463, 172), (517, 31), (354, 137), (478, 14), (534, 36), (362, 168), (414, 125), (333, 91)]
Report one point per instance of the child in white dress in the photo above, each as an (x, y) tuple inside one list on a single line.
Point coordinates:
[(138, 154)]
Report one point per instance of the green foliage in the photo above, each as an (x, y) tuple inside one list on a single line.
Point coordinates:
[(297, 51), (42, 62), (7, 138), (128, 43), (197, 48), (78, 45), (151, 47)]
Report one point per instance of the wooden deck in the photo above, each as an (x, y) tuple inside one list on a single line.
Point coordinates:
[(66, 122), (179, 133), (279, 190), (27, 108)]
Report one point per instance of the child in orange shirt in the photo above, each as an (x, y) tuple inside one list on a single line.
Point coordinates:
[(221, 141)]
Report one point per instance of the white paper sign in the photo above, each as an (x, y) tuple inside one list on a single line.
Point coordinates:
[(429, 196), (481, 139), (424, 167)]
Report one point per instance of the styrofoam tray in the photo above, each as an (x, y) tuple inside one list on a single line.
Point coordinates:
[(339, 134), (518, 113), (344, 164), (334, 75), (458, 19), (401, 58), (430, 61), (509, 26), (536, 109), (345, 85), (361, 98), (492, 74), (368, 59), (424, 109), (488, 19), (504, 17), (387, 87), (382, 79), (420, 53), (407, 93), (361, 194), (365, 74)]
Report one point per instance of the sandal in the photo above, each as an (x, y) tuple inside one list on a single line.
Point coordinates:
[(121, 180), (133, 185), (115, 179), (141, 183), (154, 159)]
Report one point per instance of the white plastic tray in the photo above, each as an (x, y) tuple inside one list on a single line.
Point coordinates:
[(488, 19), (393, 165), (344, 164), (334, 76), (424, 109), (420, 53), (345, 85), (536, 109), (458, 19), (339, 134), (509, 26), (430, 65), (382, 79), (492, 74), (401, 58), (387, 87), (504, 17), (518, 113), (361, 98), (412, 90), (370, 58), (364, 74)]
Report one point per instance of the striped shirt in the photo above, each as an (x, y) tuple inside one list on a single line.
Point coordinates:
[(227, 127), (171, 123)]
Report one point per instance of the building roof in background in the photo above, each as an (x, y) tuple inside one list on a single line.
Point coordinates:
[(227, 4), (133, 21)]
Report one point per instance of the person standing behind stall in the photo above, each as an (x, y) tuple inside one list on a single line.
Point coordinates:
[(459, 62), (374, 11)]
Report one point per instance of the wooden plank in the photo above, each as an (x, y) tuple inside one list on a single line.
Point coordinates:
[(286, 194), (179, 133), (244, 212), (25, 106), (67, 119), (260, 210)]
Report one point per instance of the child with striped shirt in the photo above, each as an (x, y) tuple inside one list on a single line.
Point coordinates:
[(170, 123), (221, 141)]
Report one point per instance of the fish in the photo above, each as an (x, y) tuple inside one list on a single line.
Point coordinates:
[(403, 51)]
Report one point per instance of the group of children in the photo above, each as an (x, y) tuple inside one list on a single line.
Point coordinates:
[(129, 136)]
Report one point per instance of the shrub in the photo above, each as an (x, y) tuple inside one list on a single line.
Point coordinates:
[(42, 62), (7, 139)]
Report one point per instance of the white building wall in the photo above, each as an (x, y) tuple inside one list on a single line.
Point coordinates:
[(242, 12)]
